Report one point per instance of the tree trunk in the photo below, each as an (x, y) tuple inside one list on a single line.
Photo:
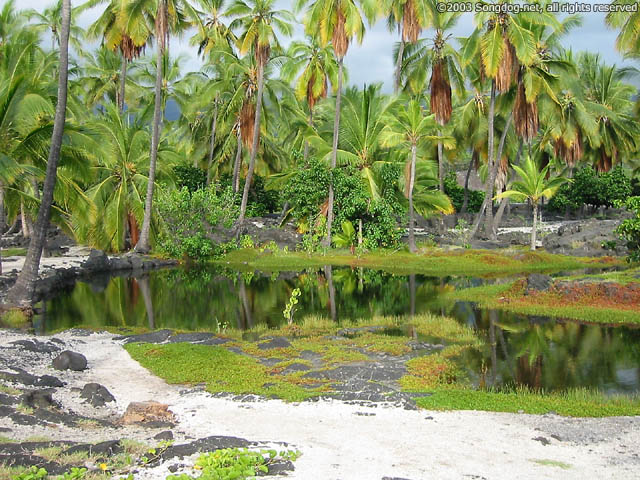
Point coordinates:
[(123, 81), (412, 178), (24, 221), (22, 292), (505, 201), (254, 146), (212, 142), (236, 165), (306, 142), (534, 227), (334, 152), (328, 273), (490, 180), (143, 245), (412, 295), (359, 232), (396, 87), (498, 160), (465, 202), (3, 217), (143, 283), (440, 167), (242, 291)]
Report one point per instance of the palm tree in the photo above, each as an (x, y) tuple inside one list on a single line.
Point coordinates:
[(335, 21), (112, 29), (11, 21), (409, 17), (411, 128), (257, 19), (318, 66), (51, 19), (169, 15), (629, 24), (533, 186), (23, 290), (117, 194)]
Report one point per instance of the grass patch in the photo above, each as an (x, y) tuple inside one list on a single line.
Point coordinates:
[(430, 261), (551, 463), (49, 453), (25, 409), (14, 252), (588, 302), (4, 439), (14, 318), (9, 390), (573, 403), (222, 370)]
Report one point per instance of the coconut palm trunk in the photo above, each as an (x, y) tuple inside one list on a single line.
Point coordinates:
[(254, 145), (123, 81), (534, 227), (143, 245), (412, 179), (3, 217), (440, 167), (328, 272), (505, 201), (306, 142), (334, 152), (396, 87), (236, 166), (489, 226), (212, 142), (22, 293), (465, 202)]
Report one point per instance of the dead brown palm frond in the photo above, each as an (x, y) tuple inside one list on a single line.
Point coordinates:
[(570, 153), (501, 177), (508, 69), (247, 121), (606, 161), (440, 94), (262, 53), (339, 38), (312, 98), (410, 24), (129, 49), (324, 208), (525, 115)]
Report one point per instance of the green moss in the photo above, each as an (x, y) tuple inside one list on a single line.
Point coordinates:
[(222, 370), (14, 252), (574, 403), (14, 318), (434, 262)]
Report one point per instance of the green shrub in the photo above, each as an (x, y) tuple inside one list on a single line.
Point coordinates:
[(191, 177), (629, 229), (591, 188), (456, 194), (189, 219), (260, 201), (307, 190)]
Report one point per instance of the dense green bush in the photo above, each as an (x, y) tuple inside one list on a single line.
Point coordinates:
[(189, 219), (591, 188), (456, 194), (629, 229), (191, 177), (307, 192), (260, 202)]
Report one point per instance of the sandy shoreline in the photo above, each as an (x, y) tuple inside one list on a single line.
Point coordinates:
[(343, 441)]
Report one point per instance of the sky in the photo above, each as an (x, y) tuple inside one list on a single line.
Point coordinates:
[(371, 62)]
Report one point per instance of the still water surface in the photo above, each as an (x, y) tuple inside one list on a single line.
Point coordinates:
[(533, 351)]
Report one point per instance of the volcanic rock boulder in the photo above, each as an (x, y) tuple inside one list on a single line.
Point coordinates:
[(69, 360), (96, 395)]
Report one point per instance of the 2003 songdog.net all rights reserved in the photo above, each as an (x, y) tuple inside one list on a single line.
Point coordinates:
[(554, 7)]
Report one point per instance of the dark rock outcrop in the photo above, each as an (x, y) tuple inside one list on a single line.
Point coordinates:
[(69, 360), (96, 395)]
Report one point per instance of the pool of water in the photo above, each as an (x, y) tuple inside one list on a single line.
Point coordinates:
[(536, 352)]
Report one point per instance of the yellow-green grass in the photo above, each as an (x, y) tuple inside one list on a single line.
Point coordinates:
[(510, 297), (573, 403), (432, 261), (13, 252)]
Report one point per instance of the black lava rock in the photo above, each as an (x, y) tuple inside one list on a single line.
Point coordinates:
[(38, 399), (275, 342), (96, 394), (166, 435), (107, 449), (69, 360), (538, 282), (36, 346)]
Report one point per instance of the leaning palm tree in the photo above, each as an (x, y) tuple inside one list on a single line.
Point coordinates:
[(533, 186), (335, 21), (413, 129), (23, 290), (258, 22), (168, 16)]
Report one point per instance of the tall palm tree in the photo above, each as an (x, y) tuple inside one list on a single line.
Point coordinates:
[(112, 29), (258, 22), (412, 128), (23, 290), (533, 186), (629, 24), (51, 19), (168, 16), (335, 21), (318, 66), (409, 17)]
